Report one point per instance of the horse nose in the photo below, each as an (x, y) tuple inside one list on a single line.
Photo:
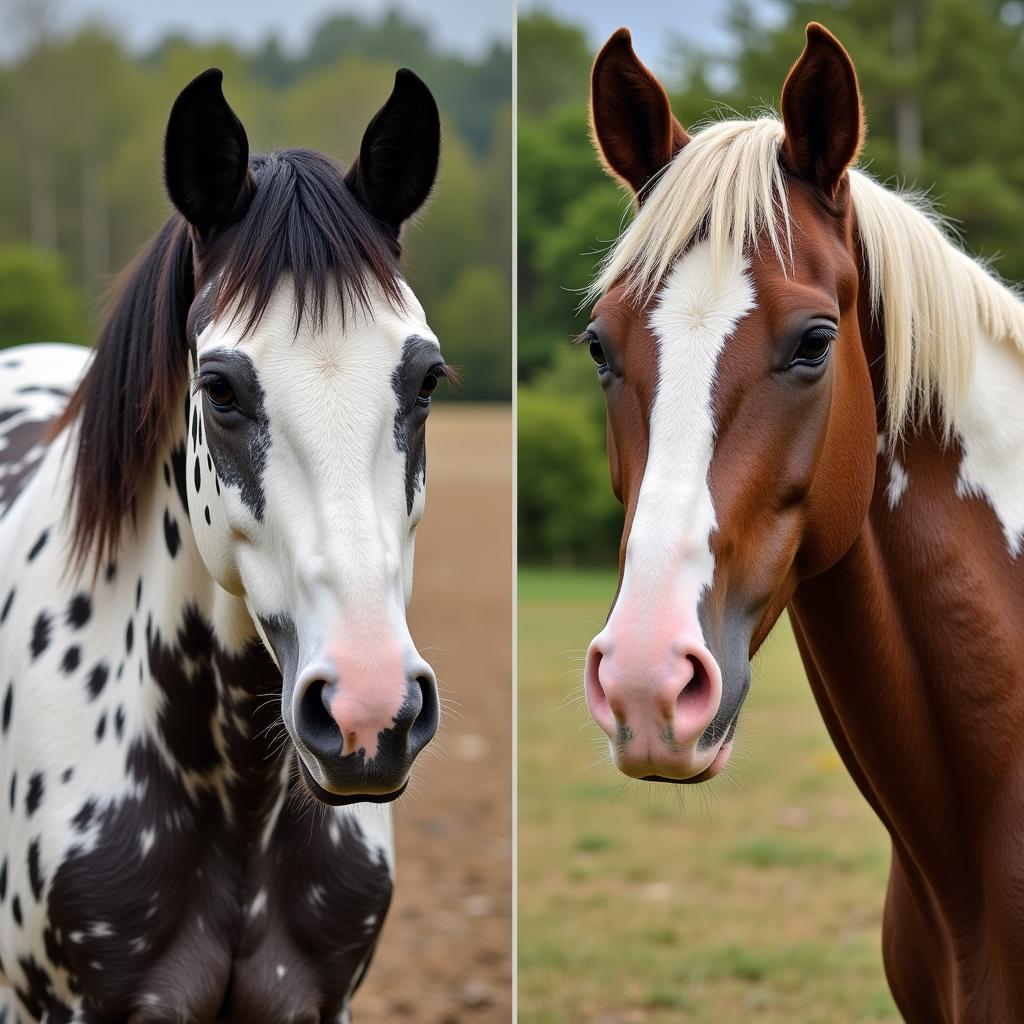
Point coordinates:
[(655, 707), (335, 717)]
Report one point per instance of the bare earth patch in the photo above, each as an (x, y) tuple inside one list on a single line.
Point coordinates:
[(446, 952)]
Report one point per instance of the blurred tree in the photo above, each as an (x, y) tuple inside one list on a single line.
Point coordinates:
[(467, 309), (554, 64), (392, 39), (329, 110), (566, 513), (36, 301), (467, 91), (568, 213), (81, 128), (943, 84)]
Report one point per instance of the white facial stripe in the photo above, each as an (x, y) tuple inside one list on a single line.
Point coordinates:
[(669, 541), (990, 428)]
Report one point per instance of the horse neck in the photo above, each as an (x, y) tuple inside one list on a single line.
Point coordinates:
[(913, 641), (207, 667)]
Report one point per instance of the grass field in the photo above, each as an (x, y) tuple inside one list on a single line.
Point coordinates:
[(758, 898)]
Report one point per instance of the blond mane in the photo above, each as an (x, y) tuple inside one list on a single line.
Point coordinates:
[(728, 185)]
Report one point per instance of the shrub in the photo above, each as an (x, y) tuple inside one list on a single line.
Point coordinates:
[(36, 301), (567, 513)]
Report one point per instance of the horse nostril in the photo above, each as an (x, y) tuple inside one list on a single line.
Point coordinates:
[(695, 690), (427, 717), (316, 725), (595, 693)]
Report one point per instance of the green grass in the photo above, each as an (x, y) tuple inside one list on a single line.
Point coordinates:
[(757, 898)]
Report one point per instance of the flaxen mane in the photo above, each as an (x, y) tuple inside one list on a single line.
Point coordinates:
[(728, 185)]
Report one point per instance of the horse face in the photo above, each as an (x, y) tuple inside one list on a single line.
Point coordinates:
[(741, 436), (309, 458), (306, 450)]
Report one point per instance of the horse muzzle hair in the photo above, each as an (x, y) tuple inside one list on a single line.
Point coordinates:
[(359, 707), (360, 722), (656, 690)]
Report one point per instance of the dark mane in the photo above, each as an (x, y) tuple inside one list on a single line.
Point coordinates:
[(300, 220)]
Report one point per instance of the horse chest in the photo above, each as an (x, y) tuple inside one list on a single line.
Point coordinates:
[(201, 930)]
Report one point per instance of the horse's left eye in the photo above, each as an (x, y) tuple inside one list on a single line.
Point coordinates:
[(428, 387), (814, 346), (219, 391)]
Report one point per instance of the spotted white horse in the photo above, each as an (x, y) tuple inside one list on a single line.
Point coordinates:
[(207, 529)]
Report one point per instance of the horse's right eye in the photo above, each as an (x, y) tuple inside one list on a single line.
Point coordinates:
[(597, 353), (219, 391)]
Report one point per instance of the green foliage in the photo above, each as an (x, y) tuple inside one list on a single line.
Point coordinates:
[(568, 212), (566, 512), (36, 301), (959, 75), (472, 301), (554, 60), (82, 120)]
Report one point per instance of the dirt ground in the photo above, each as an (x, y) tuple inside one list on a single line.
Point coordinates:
[(446, 951)]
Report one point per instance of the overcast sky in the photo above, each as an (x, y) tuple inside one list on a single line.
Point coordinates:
[(465, 26), (652, 22)]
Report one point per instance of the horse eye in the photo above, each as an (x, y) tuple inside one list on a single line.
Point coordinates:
[(597, 353), (428, 386), (219, 391), (814, 346)]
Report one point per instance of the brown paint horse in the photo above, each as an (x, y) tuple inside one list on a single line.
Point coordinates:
[(814, 403)]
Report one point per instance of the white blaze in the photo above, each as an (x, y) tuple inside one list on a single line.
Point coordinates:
[(669, 542)]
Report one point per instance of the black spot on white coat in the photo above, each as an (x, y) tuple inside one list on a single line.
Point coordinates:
[(79, 611), (40, 635), (34, 796), (70, 661), (97, 679), (35, 870), (39, 545), (172, 536)]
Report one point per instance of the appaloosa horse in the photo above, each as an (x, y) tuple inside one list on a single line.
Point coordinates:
[(816, 402), (207, 542)]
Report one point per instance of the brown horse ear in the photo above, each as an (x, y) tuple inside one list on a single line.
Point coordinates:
[(630, 116), (822, 112)]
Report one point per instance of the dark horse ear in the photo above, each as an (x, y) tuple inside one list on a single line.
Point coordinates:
[(632, 122), (398, 156), (206, 154), (822, 113)]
